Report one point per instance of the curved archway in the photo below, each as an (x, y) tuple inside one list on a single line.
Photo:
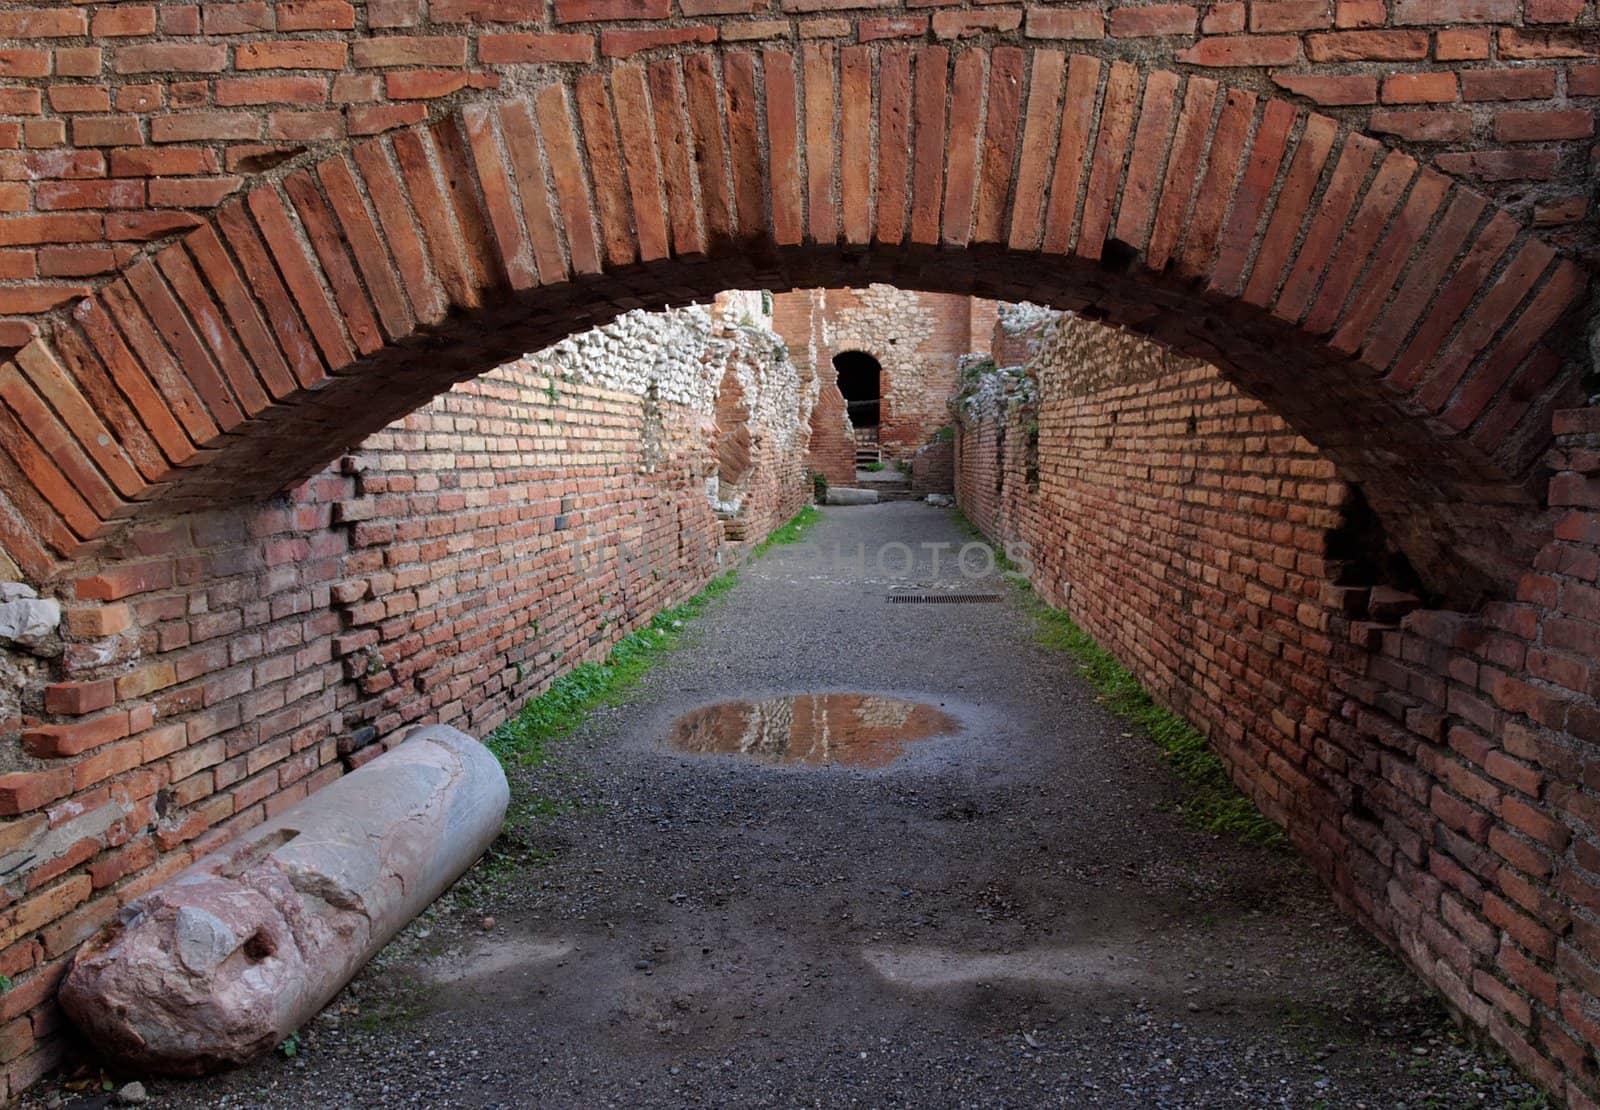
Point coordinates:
[(1394, 318), (1400, 321)]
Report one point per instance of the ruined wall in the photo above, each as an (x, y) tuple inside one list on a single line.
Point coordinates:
[(1434, 766), (916, 338), (219, 666), (832, 447)]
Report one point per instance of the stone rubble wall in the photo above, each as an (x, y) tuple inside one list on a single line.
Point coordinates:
[(444, 570), (916, 338), (1434, 766)]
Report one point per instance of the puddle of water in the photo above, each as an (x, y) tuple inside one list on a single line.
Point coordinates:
[(851, 730)]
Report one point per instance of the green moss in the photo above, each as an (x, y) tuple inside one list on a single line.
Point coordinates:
[(1211, 800), (791, 531), (409, 1000)]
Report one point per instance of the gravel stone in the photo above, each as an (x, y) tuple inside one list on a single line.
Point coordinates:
[(1009, 916)]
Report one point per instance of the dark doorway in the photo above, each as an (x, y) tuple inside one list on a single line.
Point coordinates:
[(860, 382)]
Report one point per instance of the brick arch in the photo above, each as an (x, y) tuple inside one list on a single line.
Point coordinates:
[(1396, 318)]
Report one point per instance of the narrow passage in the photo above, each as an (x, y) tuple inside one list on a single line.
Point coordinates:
[(1008, 913)]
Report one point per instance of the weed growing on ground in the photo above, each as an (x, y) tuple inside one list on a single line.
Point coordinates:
[(525, 739), (1211, 799), (873, 467), (409, 1000), (791, 531)]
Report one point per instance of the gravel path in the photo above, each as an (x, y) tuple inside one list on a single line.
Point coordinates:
[(1007, 916)]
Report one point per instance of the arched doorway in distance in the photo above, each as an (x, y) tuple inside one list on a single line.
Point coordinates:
[(860, 379)]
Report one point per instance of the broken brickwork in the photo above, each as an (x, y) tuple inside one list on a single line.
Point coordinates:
[(216, 667)]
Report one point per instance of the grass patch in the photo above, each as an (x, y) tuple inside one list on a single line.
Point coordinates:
[(1211, 800), (873, 467), (403, 1005), (791, 531), (525, 739)]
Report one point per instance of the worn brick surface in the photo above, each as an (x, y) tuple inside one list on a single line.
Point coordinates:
[(323, 181)]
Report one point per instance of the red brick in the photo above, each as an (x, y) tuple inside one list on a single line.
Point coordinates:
[(1183, 170), (1524, 45), (63, 98), (25, 791), (588, 11), (1065, 23), (1216, 186), (271, 90), (1419, 88), (1154, 20), (1362, 46), (1463, 45), (316, 15), (1501, 165), (534, 49), (1552, 11), (1338, 90), (43, 23), (106, 131), (958, 25), (188, 127), (78, 698), (1290, 15), (123, 20), (295, 54), (1508, 84), (1534, 127), (1243, 50), (891, 27), (1451, 12), (51, 195), (171, 57), (626, 43), (410, 50), (58, 741)]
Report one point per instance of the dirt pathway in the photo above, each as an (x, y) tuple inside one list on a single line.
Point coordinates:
[(1010, 915)]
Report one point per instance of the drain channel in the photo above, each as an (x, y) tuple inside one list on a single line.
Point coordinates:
[(942, 599)]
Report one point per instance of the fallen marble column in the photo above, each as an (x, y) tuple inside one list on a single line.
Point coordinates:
[(238, 951), (849, 495)]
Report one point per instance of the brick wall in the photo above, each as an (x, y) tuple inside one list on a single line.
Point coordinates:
[(118, 122), (346, 287), (916, 339), (797, 316), (933, 468), (1385, 293), (219, 666), (1434, 766)]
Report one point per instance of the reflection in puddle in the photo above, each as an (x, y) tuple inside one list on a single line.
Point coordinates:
[(853, 730)]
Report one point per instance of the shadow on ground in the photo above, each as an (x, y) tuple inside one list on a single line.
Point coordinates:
[(1007, 915)]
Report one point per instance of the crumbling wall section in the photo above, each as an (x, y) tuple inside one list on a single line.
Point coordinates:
[(215, 668), (831, 453), (916, 338)]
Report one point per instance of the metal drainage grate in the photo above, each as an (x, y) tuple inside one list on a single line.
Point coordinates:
[(942, 599)]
